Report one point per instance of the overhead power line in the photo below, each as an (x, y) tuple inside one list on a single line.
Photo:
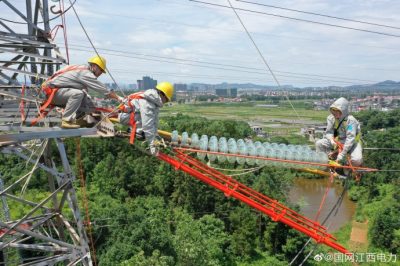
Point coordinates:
[(214, 77), (94, 48), (262, 57), (299, 19), (214, 65), (163, 21), (321, 15)]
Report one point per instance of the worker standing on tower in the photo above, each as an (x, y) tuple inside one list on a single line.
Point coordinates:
[(342, 130), (68, 88), (140, 111)]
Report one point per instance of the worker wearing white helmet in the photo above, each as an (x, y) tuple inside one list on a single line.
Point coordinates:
[(344, 128), (140, 111), (68, 88)]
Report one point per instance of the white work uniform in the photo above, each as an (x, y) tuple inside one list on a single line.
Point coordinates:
[(73, 91), (347, 128), (146, 114)]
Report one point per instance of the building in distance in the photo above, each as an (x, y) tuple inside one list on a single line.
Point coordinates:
[(146, 83), (228, 93)]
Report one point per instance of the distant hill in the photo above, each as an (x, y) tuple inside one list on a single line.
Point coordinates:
[(226, 85), (384, 85)]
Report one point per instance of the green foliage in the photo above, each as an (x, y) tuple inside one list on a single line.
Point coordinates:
[(378, 193), (220, 128), (265, 260), (242, 226), (204, 98), (200, 242), (384, 231), (156, 259), (141, 224), (372, 120)]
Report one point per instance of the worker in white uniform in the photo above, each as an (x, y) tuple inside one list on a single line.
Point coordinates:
[(70, 87), (344, 128), (140, 110)]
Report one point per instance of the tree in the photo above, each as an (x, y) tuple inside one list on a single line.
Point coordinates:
[(243, 224), (139, 225), (382, 231), (200, 242), (156, 259)]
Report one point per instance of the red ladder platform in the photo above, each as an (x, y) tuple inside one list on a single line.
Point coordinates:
[(256, 200)]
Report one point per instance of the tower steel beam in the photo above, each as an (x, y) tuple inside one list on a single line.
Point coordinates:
[(40, 233), (43, 227)]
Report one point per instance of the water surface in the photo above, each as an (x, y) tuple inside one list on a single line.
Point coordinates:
[(308, 193)]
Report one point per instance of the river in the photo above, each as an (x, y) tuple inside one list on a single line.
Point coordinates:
[(308, 193)]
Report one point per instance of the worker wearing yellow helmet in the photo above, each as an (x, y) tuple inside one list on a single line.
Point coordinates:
[(69, 87), (140, 110)]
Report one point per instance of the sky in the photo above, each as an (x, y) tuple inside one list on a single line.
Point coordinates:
[(185, 42)]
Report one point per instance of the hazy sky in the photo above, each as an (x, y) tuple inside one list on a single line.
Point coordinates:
[(183, 41)]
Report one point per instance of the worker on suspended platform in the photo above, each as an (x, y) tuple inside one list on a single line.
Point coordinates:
[(140, 111), (342, 135), (68, 88)]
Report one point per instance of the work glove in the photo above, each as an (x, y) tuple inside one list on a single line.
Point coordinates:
[(159, 142), (341, 158), (334, 163), (111, 95), (154, 150), (333, 155)]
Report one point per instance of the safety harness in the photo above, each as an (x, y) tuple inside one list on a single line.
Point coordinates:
[(132, 121), (337, 126), (50, 92)]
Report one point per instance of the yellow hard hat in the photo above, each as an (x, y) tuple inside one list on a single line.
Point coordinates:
[(99, 61), (167, 88)]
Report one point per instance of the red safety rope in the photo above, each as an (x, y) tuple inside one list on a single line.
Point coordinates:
[(331, 179), (50, 92), (63, 25), (351, 167), (22, 104), (132, 121)]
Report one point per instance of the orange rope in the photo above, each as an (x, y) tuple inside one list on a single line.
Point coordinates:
[(22, 104), (85, 200), (331, 178), (351, 167), (279, 160), (357, 175)]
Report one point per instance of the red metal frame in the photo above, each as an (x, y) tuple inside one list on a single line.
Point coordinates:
[(266, 205)]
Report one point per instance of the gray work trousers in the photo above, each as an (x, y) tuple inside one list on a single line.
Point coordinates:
[(325, 145), (74, 101)]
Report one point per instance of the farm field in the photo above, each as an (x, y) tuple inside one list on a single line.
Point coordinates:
[(281, 117)]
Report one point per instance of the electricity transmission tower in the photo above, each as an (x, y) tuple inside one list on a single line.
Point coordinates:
[(44, 227)]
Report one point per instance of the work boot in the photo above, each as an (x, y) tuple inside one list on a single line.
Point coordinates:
[(69, 124)]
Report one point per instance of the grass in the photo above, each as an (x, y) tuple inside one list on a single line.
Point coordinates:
[(245, 111), (273, 119)]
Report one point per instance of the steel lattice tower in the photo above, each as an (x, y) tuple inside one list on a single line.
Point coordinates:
[(49, 229)]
